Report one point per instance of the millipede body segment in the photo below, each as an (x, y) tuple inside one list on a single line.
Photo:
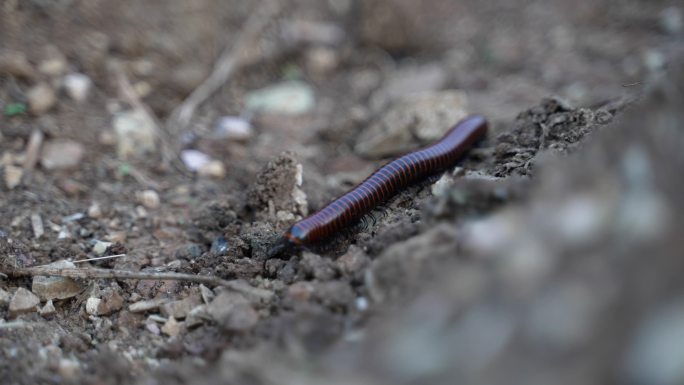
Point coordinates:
[(385, 182)]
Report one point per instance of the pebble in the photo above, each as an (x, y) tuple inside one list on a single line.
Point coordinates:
[(197, 316), (61, 154), (13, 175), (233, 312), (219, 246), (149, 199), (4, 298), (172, 328), (286, 98), (37, 225), (232, 128), (110, 302), (180, 309), (147, 305), (671, 20), (49, 288), (152, 327), (321, 60), (32, 153), (54, 64), (135, 134), (194, 160), (41, 98), (16, 64), (48, 310), (95, 211), (77, 86), (206, 293), (100, 247), (214, 169), (426, 117), (23, 301), (68, 369)]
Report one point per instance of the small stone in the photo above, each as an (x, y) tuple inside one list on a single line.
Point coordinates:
[(194, 160), (143, 306), (232, 128), (172, 328), (152, 327), (95, 211), (117, 237), (49, 288), (13, 175), (41, 98), (219, 246), (300, 291), (233, 312), (197, 316), (16, 64), (32, 153), (321, 60), (23, 301), (213, 169), (100, 247), (416, 119), (206, 293), (54, 64), (68, 368), (4, 298), (149, 199), (671, 20), (287, 98), (77, 86), (181, 308), (48, 310), (37, 225), (135, 134), (110, 302), (61, 154)]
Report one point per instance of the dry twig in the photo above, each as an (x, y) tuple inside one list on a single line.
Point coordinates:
[(230, 60)]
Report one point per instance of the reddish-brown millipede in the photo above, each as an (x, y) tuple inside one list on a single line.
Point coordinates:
[(384, 183)]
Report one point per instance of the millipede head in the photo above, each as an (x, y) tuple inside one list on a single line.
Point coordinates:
[(287, 242)]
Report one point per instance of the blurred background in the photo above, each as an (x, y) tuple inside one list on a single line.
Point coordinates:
[(185, 135)]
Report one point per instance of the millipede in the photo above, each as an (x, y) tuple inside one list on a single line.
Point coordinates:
[(384, 183)]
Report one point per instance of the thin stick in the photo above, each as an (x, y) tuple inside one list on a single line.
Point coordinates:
[(231, 58), (100, 258), (90, 273), (169, 155)]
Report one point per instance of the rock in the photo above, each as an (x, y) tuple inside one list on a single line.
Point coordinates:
[(54, 63), (77, 86), (4, 298), (16, 64), (48, 310), (13, 175), (149, 199), (49, 288), (135, 134), (206, 293), (671, 20), (143, 306), (181, 308), (172, 328), (197, 316), (425, 117), (100, 247), (214, 169), (32, 153), (110, 302), (233, 312), (232, 128), (23, 301), (286, 98), (152, 327), (300, 291), (61, 154), (219, 246), (37, 225), (194, 160), (41, 98), (68, 369), (316, 266), (321, 60), (95, 211)]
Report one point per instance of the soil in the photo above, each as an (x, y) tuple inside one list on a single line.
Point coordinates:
[(551, 253)]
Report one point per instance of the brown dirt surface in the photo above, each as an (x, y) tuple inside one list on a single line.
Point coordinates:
[(550, 254)]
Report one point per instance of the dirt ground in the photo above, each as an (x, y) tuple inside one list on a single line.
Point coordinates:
[(550, 254)]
